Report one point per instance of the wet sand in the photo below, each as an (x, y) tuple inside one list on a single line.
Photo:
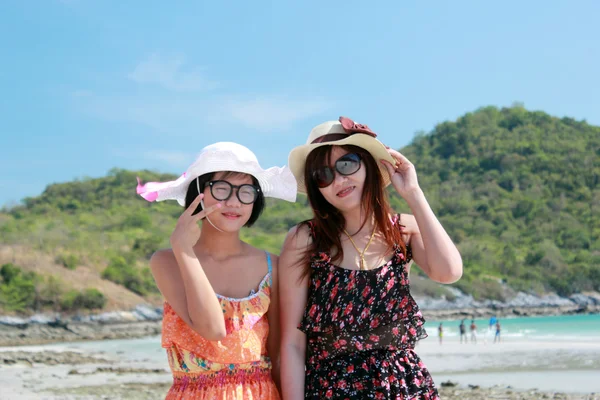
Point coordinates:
[(138, 369)]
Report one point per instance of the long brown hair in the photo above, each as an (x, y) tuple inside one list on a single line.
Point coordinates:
[(328, 222)]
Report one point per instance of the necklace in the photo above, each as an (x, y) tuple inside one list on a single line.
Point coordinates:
[(361, 253)]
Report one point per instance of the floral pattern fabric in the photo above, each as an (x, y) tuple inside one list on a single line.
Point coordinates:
[(236, 367), (361, 328)]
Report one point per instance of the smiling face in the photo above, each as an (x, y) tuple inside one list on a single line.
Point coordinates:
[(233, 214), (356, 188), (345, 192)]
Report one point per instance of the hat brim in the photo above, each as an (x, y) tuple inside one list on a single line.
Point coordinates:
[(298, 155), (276, 182)]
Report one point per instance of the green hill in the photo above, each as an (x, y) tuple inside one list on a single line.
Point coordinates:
[(518, 191)]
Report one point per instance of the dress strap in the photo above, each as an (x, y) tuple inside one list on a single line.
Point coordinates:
[(311, 228), (396, 220), (270, 266)]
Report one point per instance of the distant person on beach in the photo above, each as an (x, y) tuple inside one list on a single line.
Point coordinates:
[(463, 331), (487, 335), (492, 322), (440, 332), (473, 332), (220, 323), (497, 336)]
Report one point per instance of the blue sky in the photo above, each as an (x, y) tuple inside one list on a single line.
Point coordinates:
[(91, 85)]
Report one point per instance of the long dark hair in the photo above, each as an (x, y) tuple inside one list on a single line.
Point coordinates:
[(257, 207), (328, 222)]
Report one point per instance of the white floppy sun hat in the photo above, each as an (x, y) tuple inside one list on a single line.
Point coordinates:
[(339, 133), (276, 182)]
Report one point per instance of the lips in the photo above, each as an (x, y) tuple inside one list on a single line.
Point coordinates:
[(345, 192), (231, 215)]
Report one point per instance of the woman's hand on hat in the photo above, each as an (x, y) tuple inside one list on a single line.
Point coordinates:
[(403, 174), (187, 232)]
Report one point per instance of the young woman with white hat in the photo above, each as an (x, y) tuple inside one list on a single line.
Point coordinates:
[(349, 322), (220, 325)]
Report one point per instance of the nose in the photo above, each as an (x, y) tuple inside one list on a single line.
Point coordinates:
[(233, 200), (339, 179)]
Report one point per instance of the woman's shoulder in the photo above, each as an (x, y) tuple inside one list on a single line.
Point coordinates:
[(300, 232), (162, 258), (258, 255), (303, 229), (299, 236), (297, 241), (407, 222)]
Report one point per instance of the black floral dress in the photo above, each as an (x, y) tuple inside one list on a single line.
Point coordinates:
[(361, 328)]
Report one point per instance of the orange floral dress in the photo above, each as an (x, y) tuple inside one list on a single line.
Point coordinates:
[(236, 367)]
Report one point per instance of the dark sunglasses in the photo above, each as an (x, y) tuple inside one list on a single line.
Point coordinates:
[(347, 164), (222, 190)]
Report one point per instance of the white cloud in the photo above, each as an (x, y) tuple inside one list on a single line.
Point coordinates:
[(166, 114), (184, 116), (169, 73), (187, 109), (272, 113)]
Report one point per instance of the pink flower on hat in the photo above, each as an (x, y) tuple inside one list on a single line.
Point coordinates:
[(351, 127)]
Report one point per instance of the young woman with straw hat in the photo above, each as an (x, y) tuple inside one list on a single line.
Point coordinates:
[(349, 322)]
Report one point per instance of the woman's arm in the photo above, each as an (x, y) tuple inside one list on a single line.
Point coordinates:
[(273, 341), (432, 248), (182, 281), (292, 296), (202, 318)]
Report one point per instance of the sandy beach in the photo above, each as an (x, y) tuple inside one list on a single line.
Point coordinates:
[(35, 334), (138, 369), (538, 358)]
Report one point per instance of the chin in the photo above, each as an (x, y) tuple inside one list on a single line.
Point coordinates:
[(346, 204), (231, 226)]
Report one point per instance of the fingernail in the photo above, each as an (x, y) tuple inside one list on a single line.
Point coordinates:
[(219, 205)]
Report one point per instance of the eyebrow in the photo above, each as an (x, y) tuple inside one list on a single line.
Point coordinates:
[(232, 175), (336, 159)]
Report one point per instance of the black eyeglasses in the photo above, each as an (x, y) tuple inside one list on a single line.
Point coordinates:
[(222, 190), (347, 164)]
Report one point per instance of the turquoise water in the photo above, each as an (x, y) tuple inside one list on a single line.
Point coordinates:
[(551, 353), (569, 328), (555, 353), (580, 328)]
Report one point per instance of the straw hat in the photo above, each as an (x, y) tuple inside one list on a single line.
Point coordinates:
[(339, 133)]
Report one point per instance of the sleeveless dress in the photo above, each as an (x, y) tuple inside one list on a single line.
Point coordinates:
[(361, 329), (236, 367)]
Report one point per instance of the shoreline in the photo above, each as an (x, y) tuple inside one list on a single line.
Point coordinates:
[(504, 312), (56, 375), (40, 334), (120, 325), (135, 370)]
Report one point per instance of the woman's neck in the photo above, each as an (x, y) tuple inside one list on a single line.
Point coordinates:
[(357, 219), (219, 245)]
